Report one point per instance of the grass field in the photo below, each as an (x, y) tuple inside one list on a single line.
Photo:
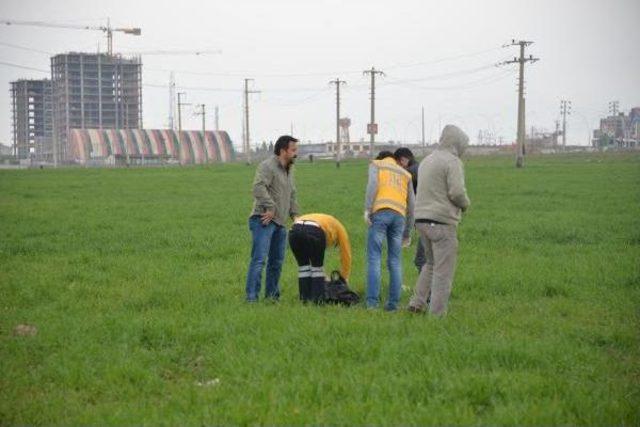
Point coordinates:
[(134, 279)]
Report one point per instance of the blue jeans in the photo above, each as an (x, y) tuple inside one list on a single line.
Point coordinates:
[(390, 225), (269, 243)]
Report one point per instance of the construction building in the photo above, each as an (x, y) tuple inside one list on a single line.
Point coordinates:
[(93, 91), (32, 119)]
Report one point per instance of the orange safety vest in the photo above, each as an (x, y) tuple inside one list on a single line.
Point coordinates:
[(393, 184)]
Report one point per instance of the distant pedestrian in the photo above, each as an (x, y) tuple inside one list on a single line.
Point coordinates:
[(274, 196), (389, 216), (310, 235), (440, 200)]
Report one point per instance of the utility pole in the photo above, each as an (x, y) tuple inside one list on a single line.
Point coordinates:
[(565, 108), (338, 146), (217, 118), (247, 139), (521, 103), (372, 128), (423, 144), (172, 100), (202, 113), (555, 135), (180, 104)]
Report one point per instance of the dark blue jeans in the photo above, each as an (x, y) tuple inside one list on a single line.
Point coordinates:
[(269, 244)]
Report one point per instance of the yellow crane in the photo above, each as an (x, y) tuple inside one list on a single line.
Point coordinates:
[(105, 29)]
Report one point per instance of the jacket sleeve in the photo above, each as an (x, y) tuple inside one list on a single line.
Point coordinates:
[(261, 183), (456, 191), (345, 251), (372, 188), (411, 203), (294, 209)]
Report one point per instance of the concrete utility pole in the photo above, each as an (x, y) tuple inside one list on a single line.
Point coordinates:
[(202, 113), (247, 139), (555, 135), (180, 104), (372, 128), (521, 103), (338, 82), (217, 118), (172, 100), (565, 108)]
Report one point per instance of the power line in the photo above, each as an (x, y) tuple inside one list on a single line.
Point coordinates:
[(29, 49), (451, 74), (24, 67), (467, 85), (437, 61), (323, 73)]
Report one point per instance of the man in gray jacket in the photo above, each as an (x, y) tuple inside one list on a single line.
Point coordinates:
[(440, 200), (274, 196)]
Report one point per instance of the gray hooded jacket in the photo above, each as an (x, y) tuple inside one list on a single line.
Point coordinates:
[(441, 194)]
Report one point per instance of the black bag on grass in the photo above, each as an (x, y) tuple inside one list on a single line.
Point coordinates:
[(336, 291)]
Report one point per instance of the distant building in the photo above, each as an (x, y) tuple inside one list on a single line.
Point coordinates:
[(94, 91), (541, 141), (5, 150), (113, 147), (32, 123), (619, 131)]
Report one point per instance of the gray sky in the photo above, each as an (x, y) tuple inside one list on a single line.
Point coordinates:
[(435, 54)]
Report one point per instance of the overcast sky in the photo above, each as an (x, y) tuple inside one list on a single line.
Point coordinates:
[(435, 54)]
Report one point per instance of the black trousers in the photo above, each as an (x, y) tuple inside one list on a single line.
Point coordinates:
[(308, 244)]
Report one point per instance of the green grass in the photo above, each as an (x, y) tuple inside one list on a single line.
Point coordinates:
[(135, 281)]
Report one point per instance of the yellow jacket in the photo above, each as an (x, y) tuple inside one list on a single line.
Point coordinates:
[(394, 184), (336, 235)]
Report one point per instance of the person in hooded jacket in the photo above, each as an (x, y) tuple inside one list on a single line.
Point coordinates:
[(440, 200)]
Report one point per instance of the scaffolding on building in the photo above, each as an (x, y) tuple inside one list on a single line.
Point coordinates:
[(94, 91), (32, 124)]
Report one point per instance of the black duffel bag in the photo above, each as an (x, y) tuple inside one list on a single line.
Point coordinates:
[(336, 291)]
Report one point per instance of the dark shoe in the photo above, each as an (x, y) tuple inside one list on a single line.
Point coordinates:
[(415, 310)]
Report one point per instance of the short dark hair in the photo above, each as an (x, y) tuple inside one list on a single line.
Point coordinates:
[(384, 154), (283, 143), (404, 152)]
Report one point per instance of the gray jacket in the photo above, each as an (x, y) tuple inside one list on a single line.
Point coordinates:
[(274, 190), (441, 194)]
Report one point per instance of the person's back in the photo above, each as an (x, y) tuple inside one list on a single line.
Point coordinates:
[(440, 199), (389, 204), (441, 193)]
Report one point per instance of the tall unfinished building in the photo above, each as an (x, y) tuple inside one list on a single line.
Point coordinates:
[(32, 119), (94, 91)]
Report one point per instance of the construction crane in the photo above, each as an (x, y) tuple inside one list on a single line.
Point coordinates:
[(105, 29), (172, 52)]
